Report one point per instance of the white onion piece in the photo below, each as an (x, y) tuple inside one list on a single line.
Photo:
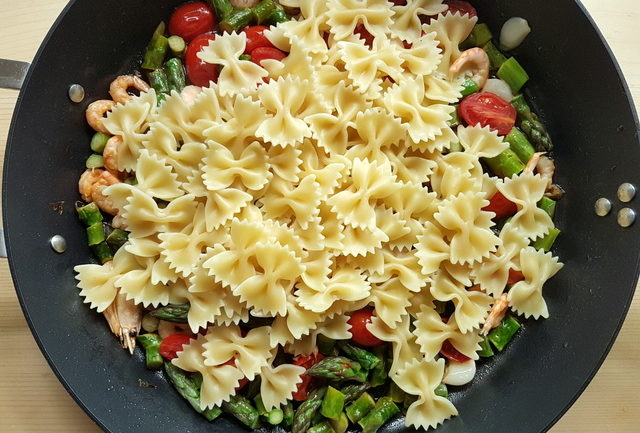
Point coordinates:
[(459, 373), (500, 88), (514, 31)]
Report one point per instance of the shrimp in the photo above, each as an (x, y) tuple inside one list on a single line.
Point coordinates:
[(124, 318), (110, 153), (496, 315), (190, 93), (544, 166), (91, 186), (473, 63), (95, 113), (120, 86)]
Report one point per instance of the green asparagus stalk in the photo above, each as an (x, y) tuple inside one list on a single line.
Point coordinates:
[(442, 391), (175, 74), (341, 424), (159, 81), (189, 390), (353, 391), (455, 119), (409, 399), (385, 409), (468, 87), (173, 313), (241, 408), (520, 145), (287, 420), (275, 416), (89, 214), (485, 349), (365, 358), (278, 16), (95, 234), (99, 142), (378, 374), (94, 161), (245, 57), (222, 8), (177, 45), (502, 335), (117, 239), (496, 58), (323, 427), (531, 125), (156, 50), (263, 10), (548, 205), (338, 368), (257, 400), (396, 393), (332, 404), (236, 21), (480, 35), (151, 345), (361, 407), (253, 388), (513, 74), (306, 411), (545, 243), (326, 345), (102, 252), (506, 164)]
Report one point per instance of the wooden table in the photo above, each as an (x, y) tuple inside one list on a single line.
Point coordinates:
[(32, 399)]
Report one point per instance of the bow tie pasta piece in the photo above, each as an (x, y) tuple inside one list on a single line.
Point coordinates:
[(97, 282), (308, 31), (481, 142), (218, 382), (149, 247), (407, 25), (294, 325), (278, 384), (394, 226), (221, 168), (442, 90), (317, 266), (525, 297), (239, 129), (346, 284), (424, 120), (470, 235), (431, 249), (283, 199), (410, 169), (130, 121), (390, 299), (421, 378), (329, 171), (139, 286), (526, 190), (451, 30), (432, 332), (206, 297), (221, 206), (404, 266), (299, 63), (378, 128), (335, 328), (442, 141), (332, 229), (236, 75), (346, 15), (422, 57), (457, 173), (186, 121), (156, 178), (402, 340), (285, 162)]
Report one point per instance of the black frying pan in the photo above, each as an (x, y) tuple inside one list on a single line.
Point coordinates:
[(577, 87)]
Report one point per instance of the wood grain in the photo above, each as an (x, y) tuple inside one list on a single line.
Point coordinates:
[(32, 399)]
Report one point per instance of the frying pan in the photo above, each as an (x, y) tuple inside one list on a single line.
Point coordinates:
[(525, 389)]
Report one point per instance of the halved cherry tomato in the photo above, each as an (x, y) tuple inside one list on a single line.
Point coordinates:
[(448, 351), (171, 345), (501, 206), (308, 383), (264, 53), (191, 20), (488, 109), (361, 335), (200, 72), (256, 38), (514, 277), (364, 34), (462, 7), (243, 382)]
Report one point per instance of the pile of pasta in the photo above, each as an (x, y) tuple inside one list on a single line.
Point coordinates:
[(312, 187)]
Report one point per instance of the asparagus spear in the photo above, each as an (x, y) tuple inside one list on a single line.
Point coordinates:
[(353, 391), (278, 16), (341, 424), (384, 410), (223, 8), (287, 420), (332, 404), (306, 411), (172, 313), (175, 74), (236, 21), (263, 10), (442, 391), (378, 375), (531, 125), (89, 214), (366, 359), (95, 234), (506, 164), (99, 142), (323, 427), (361, 407), (241, 408), (156, 50), (151, 345), (117, 239), (102, 252), (189, 389), (338, 368), (177, 45)]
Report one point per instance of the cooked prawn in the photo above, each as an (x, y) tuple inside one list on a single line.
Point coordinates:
[(110, 153), (124, 318), (190, 93), (544, 166), (91, 184), (95, 113), (496, 315), (473, 63), (119, 89)]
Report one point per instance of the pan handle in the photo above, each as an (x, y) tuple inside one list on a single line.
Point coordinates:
[(12, 74)]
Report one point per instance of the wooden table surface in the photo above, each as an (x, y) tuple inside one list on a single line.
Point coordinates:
[(32, 399)]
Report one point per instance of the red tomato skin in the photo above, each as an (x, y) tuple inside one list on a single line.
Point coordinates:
[(462, 7), (191, 20), (264, 53), (308, 383), (360, 334), (488, 109), (200, 72), (256, 38), (514, 277), (171, 345), (364, 34), (501, 206), (451, 353)]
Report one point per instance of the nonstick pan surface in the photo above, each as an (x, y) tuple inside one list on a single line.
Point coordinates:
[(525, 389)]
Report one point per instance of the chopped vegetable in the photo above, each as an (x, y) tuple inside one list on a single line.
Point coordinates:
[(275, 416), (485, 348), (278, 16), (177, 45), (89, 214), (307, 410), (501, 206), (287, 412), (241, 408), (99, 141), (548, 205), (189, 388), (236, 21), (95, 234), (396, 393), (360, 334), (173, 313), (191, 20), (480, 35), (175, 74), (520, 145), (503, 334), (442, 391), (257, 400), (305, 386), (361, 407), (95, 161), (172, 345), (353, 391), (245, 57), (222, 8), (117, 239), (378, 374), (199, 72), (496, 58), (323, 427), (338, 368), (156, 50), (366, 359), (159, 81), (513, 33), (514, 74), (151, 345), (332, 404), (384, 410), (341, 424), (326, 345), (263, 10), (455, 118), (488, 109), (102, 252), (256, 38), (545, 243), (506, 164), (532, 126), (469, 87)]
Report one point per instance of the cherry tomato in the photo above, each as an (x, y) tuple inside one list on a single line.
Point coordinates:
[(200, 72), (488, 109), (399, 2), (361, 335), (364, 34), (308, 383), (448, 351), (256, 38), (191, 20), (462, 7), (171, 345), (264, 53), (501, 206), (244, 381), (304, 387), (514, 277)]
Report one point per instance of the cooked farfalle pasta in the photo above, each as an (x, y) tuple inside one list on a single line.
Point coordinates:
[(285, 196)]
